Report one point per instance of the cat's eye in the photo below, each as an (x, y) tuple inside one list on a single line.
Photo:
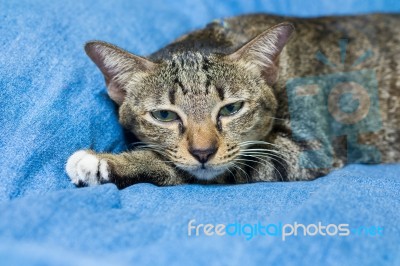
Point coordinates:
[(165, 115), (230, 109)]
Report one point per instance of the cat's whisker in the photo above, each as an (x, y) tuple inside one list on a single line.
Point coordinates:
[(148, 144), (162, 151), (268, 154), (265, 157), (275, 118), (230, 164), (258, 160), (151, 147), (247, 165), (280, 151), (265, 162), (156, 150), (245, 174), (244, 159), (271, 164), (253, 142), (265, 151), (258, 156)]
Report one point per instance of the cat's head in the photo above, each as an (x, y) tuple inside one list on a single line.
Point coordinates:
[(199, 111)]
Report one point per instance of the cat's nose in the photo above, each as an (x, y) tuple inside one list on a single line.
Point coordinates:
[(203, 155)]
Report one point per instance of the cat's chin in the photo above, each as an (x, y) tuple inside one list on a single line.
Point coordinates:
[(205, 173)]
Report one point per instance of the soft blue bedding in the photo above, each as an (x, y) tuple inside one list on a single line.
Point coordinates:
[(53, 102)]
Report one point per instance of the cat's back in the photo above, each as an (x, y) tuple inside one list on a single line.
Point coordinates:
[(341, 48), (226, 35), (320, 46)]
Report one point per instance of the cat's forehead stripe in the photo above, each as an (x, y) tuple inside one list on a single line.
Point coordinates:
[(187, 68), (221, 92), (179, 84), (171, 95)]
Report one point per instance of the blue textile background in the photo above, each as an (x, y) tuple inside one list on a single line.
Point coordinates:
[(53, 102)]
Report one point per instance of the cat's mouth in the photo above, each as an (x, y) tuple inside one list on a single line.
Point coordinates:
[(204, 172)]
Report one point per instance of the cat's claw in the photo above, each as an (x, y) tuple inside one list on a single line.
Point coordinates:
[(86, 169)]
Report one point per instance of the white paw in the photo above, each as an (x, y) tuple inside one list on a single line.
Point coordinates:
[(84, 168)]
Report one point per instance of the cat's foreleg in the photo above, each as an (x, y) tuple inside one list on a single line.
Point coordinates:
[(87, 168), (294, 164)]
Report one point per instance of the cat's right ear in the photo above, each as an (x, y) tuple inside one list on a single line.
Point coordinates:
[(261, 54), (118, 66)]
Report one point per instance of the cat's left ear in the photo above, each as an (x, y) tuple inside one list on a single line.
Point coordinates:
[(118, 66), (261, 54)]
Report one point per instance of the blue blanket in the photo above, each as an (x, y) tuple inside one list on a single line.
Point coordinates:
[(53, 102)]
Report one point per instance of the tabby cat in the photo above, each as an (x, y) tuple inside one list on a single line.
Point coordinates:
[(221, 104)]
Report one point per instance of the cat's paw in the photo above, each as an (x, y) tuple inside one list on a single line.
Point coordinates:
[(86, 169)]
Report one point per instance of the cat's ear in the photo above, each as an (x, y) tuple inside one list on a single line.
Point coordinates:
[(262, 53), (118, 67)]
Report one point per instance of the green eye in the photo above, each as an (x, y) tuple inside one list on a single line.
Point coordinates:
[(164, 115), (230, 109)]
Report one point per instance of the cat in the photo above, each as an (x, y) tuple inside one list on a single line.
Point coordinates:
[(219, 105)]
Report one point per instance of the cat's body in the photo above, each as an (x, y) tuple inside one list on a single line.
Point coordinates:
[(213, 106)]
